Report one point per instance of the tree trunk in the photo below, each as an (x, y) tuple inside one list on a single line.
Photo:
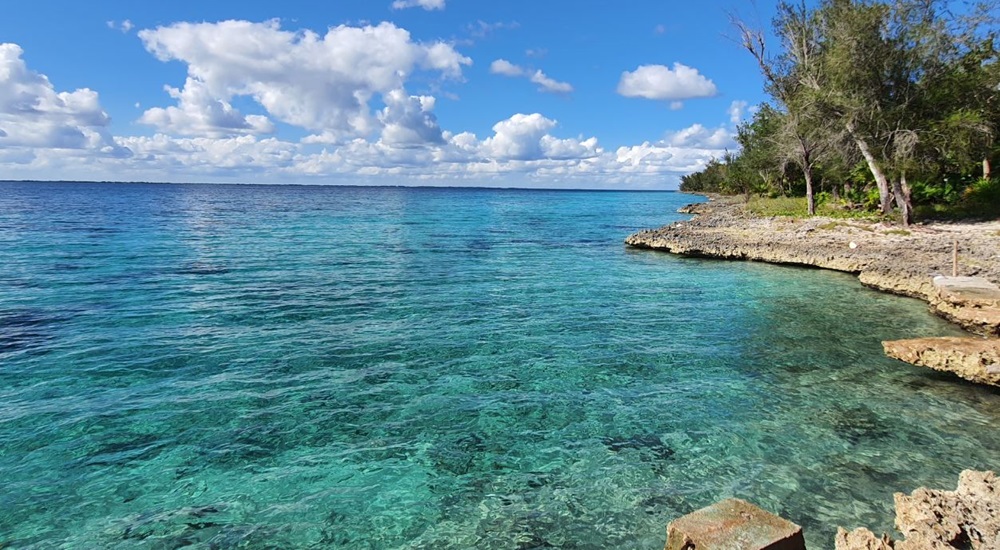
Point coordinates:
[(986, 169), (902, 191), (810, 198), (885, 201)]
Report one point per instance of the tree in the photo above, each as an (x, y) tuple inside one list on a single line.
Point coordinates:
[(792, 79)]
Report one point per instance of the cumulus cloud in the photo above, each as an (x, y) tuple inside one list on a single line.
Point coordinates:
[(698, 136), (408, 120), (426, 4), (211, 155), (506, 68), (320, 83), (663, 83), (45, 133), (33, 115), (199, 112), (545, 84), (518, 138)]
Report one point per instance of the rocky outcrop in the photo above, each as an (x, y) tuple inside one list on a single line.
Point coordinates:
[(973, 359), (733, 523), (972, 302), (968, 517), (860, 539), (901, 261)]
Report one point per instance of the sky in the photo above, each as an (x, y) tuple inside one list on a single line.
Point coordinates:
[(554, 94)]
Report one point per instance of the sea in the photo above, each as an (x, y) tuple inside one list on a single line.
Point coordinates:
[(251, 366)]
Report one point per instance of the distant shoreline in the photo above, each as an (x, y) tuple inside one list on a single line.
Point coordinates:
[(887, 258)]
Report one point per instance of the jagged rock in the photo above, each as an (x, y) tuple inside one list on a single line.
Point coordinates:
[(969, 301), (860, 539), (968, 516), (930, 519), (973, 359)]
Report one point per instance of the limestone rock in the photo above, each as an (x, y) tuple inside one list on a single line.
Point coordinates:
[(860, 539), (733, 524), (973, 359), (973, 302), (889, 259), (966, 517), (930, 519)]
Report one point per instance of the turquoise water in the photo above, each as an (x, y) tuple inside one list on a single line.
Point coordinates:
[(303, 367)]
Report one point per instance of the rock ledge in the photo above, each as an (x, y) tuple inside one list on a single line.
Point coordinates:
[(968, 517)]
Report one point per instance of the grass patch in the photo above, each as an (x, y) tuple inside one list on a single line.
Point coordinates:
[(901, 232), (796, 207)]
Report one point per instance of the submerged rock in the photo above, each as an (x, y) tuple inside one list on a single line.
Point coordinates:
[(735, 524), (968, 517), (973, 359)]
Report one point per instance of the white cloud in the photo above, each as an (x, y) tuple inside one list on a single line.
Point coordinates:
[(426, 4), (320, 83), (736, 111), (545, 84), (518, 138), (506, 68), (125, 26), (210, 155), (408, 121), (662, 83), (699, 137), (34, 116), (199, 113), (64, 135)]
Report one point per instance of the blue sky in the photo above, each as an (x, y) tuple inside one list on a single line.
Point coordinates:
[(587, 94)]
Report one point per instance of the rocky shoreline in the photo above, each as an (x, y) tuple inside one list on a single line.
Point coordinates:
[(885, 257), (899, 261), (917, 261)]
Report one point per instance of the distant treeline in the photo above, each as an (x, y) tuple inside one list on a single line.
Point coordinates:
[(874, 104)]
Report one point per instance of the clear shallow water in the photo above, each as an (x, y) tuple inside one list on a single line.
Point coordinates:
[(301, 367)]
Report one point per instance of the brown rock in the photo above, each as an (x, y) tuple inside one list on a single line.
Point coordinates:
[(860, 539), (967, 517), (733, 524), (973, 302), (929, 519), (973, 359)]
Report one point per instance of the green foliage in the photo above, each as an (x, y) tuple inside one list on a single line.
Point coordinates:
[(869, 95), (945, 192), (980, 200)]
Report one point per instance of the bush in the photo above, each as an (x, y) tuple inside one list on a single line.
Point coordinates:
[(980, 200)]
